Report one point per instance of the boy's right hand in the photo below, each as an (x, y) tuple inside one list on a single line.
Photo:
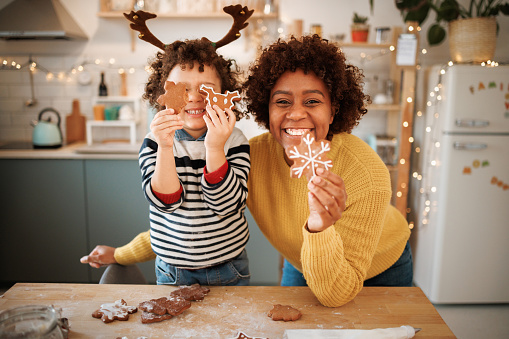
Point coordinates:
[(164, 125)]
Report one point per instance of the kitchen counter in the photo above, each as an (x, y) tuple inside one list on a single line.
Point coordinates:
[(110, 151), (227, 310)]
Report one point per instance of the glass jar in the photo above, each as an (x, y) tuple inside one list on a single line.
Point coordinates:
[(33, 321)]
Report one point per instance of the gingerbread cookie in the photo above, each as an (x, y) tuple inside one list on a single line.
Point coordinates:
[(175, 96), (222, 100), (308, 156), (191, 293), (149, 318), (114, 311), (284, 312), (173, 305)]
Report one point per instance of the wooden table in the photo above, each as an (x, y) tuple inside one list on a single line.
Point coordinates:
[(227, 310)]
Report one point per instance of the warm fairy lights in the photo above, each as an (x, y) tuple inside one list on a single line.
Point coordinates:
[(70, 74), (432, 154)]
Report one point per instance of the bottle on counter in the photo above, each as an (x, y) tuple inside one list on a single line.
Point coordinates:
[(103, 89)]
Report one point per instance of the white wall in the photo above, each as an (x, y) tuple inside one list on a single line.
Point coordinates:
[(111, 38)]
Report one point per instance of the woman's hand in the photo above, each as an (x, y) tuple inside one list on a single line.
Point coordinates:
[(101, 255), (326, 199), (164, 125)]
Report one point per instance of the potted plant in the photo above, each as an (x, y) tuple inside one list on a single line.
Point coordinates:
[(472, 30), (359, 28)]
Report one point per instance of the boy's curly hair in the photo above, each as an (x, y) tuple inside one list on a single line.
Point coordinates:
[(184, 54), (311, 54)]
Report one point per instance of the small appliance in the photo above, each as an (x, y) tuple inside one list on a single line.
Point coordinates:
[(46, 133)]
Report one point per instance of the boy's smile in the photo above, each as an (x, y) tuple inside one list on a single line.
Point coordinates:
[(193, 113)]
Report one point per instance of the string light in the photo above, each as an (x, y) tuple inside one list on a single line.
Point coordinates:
[(34, 67)]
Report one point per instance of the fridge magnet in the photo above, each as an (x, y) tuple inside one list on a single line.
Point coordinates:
[(467, 170), (494, 180), (485, 163), (472, 90), (506, 187), (492, 84), (481, 85), (476, 163), (507, 105)]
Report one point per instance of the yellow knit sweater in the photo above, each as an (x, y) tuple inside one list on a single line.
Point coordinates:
[(368, 239)]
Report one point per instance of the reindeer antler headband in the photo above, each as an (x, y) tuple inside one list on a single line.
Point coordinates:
[(240, 15)]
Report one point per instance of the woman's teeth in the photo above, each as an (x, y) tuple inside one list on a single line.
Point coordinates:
[(296, 131), (195, 111)]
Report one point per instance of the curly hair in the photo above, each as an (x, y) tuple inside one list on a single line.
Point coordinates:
[(311, 54), (184, 54)]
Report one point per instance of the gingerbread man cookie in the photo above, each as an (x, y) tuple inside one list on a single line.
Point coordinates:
[(156, 310), (284, 312), (114, 311), (308, 156), (175, 96), (173, 305), (222, 100), (191, 293)]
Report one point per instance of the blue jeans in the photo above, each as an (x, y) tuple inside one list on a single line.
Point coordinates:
[(399, 274), (231, 273)]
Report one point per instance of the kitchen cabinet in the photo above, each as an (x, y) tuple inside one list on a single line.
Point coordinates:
[(44, 230), (117, 211), (56, 211)]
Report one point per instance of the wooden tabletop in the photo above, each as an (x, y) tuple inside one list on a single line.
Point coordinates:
[(227, 310)]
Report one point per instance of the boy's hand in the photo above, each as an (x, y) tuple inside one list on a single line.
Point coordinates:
[(220, 126), (164, 125)]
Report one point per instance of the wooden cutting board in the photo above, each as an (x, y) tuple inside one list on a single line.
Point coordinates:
[(75, 124)]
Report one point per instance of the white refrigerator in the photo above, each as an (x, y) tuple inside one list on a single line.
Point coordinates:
[(461, 238)]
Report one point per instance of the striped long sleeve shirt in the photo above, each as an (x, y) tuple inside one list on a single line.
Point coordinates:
[(206, 226)]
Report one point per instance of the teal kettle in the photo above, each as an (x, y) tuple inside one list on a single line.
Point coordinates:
[(47, 133)]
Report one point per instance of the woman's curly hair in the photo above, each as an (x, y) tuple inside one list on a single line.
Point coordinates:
[(311, 54), (185, 54)]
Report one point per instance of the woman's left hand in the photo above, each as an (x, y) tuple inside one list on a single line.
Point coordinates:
[(326, 199)]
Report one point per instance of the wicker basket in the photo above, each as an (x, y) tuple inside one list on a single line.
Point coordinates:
[(473, 39)]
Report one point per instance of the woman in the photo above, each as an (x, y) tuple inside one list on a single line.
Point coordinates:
[(337, 232)]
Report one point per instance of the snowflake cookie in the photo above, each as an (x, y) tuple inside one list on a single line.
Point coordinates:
[(308, 156)]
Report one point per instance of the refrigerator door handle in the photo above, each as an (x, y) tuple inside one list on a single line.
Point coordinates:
[(472, 123), (466, 146)]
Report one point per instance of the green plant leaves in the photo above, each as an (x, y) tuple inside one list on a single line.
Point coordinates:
[(449, 10), (418, 15), (436, 34)]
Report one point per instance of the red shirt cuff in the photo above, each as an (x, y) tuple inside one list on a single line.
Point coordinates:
[(216, 176), (169, 198)]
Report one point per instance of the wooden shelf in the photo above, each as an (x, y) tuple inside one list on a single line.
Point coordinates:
[(384, 107), (366, 45), (216, 15)]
